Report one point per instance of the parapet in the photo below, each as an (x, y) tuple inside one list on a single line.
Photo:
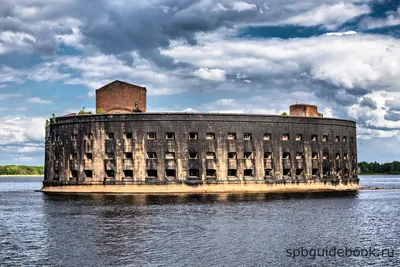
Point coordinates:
[(305, 110)]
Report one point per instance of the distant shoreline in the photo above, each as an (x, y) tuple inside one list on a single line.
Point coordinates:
[(20, 175), (379, 173)]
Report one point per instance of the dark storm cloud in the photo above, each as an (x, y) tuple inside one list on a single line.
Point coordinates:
[(332, 93), (393, 104), (116, 27), (368, 102), (151, 27), (392, 116)]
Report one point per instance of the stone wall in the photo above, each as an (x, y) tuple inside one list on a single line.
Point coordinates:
[(147, 148)]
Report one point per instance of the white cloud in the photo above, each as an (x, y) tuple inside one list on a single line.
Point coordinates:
[(210, 74), (30, 149), (21, 130), (392, 19), (38, 100), (241, 6), (256, 103), (241, 75), (331, 16), (219, 7), (340, 33), (14, 109), (349, 61), (225, 102), (5, 96), (15, 41)]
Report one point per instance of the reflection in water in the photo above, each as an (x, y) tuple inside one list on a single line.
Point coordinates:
[(193, 230), (143, 199)]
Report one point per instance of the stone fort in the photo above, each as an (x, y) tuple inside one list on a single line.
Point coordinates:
[(123, 148)]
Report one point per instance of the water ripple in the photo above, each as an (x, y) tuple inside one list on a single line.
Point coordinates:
[(194, 230)]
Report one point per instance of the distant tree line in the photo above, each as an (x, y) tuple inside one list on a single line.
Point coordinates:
[(375, 167), (21, 170)]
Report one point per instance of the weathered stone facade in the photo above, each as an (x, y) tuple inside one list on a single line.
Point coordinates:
[(193, 149)]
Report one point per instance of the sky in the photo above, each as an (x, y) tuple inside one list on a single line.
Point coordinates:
[(249, 56)]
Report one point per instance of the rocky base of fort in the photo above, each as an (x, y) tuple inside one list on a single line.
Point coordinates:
[(199, 189)]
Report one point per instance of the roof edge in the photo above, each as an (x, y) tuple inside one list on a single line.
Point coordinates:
[(118, 81)]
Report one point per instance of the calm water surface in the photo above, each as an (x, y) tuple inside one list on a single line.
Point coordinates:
[(198, 230)]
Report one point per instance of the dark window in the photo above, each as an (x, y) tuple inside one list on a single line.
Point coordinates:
[(57, 137), (210, 155), (299, 155), (314, 155), (210, 135), (345, 156), (193, 136), (325, 156), (211, 173), (89, 136), (267, 155), (110, 155), (248, 172), (232, 172), (268, 172), (151, 135), (299, 137), (337, 155), (267, 136), (314, 171), (169, 135), (88, 156), (325, 171), (151, 155), (194, 173), (151, 173), (193, 155), (324, 138), (247, 136), (74, 174), (314, 138), (337, 138), (352, 139), (248, 155), (170, 173), (344, 139), (128, 173), (110, 173), (110, 136), (88, 173), (169, 155), (231, 136), (286, 155), (128, 155), (286, 172), (231, 155), (128, 135), (74, 156), (299, 172), (56, 175), (285, 137)]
